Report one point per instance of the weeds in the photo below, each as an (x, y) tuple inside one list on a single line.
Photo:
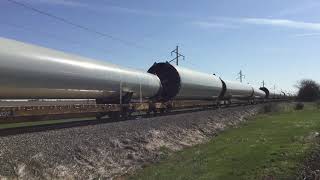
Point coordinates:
[(299, 106)]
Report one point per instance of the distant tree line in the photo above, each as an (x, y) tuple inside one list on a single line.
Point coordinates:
[(309, 90)]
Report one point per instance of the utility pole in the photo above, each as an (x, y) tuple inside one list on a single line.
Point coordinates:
[(241, 76), (263, 83), (177, 54)]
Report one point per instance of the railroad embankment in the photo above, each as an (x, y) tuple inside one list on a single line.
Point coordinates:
[(277, 145), (111, 150)]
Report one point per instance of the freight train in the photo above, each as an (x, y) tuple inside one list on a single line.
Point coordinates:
[(32, 72)]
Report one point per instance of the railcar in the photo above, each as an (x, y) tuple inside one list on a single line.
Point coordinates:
[(33, 72), (239, 91), (266, 92), (185, 84), (276, 94), (259, 94)]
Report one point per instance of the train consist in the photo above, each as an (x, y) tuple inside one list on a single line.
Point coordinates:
[(33, 72)]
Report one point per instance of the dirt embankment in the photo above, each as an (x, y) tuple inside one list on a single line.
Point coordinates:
[(310, 168), (112, 149)]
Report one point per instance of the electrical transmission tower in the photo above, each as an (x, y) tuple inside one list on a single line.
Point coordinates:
[(176, 52), (241, 76)]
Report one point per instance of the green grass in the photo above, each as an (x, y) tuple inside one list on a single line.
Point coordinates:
[(270, 145)]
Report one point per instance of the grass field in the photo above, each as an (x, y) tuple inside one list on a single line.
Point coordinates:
[(271, 145)]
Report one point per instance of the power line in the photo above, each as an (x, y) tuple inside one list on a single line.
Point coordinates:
[(176, 51), (178, 55), (29, 29), (241, 76), (49, 35), (66, 21)]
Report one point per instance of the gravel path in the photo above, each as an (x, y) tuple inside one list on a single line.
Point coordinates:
[(112, 149)]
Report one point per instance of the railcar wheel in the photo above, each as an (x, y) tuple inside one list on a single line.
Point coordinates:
[(162, 110), (124, 115), (169, 108), (114, 115), (154, 112), (100, 115), (229, 103)]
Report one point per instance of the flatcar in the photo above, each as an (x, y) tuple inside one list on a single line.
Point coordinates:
[(32, 72)]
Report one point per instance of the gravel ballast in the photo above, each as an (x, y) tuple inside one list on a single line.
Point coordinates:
[(110, 150)]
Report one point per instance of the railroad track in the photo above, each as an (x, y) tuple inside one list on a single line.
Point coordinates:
[(92, 121)]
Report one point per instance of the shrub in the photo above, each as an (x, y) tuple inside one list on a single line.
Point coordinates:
[(318, 104), (267, 108), (309, 90), (299, 106), (270, 107)]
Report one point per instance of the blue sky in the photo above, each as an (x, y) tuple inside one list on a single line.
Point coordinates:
[(271, 40)]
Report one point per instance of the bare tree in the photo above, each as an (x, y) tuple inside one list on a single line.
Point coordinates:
[(309, 90)]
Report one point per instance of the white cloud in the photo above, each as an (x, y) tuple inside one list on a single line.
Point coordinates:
[(133, 11), (112, 8), (68, 3), (141, 12), (207, 25), (236, 22), (282, 23), (307, 35), (301, 7), (228, 23)]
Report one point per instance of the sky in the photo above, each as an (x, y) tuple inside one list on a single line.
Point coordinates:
[(271, 40)]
